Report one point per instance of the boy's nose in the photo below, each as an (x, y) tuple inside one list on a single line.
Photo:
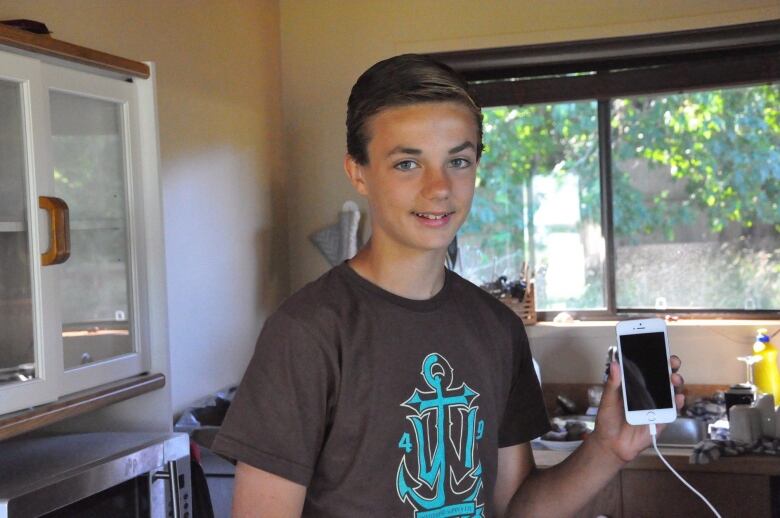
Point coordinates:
[(436, 183)]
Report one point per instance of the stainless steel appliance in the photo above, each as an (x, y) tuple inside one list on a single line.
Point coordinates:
[(96, 474)]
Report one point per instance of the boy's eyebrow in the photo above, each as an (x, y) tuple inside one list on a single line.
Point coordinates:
[(466, 145), (400, 150), (414, 151)]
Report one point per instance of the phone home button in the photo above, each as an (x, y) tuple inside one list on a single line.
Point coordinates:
[(651, 416)]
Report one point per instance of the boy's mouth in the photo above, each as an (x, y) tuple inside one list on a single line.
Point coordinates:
[(434, 216)]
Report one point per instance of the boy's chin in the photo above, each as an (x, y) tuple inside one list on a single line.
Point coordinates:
[(437, 245), (439, 242)]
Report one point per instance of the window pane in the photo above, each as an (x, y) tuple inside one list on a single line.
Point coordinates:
[(696, 182), (89, 173), (538, 200)]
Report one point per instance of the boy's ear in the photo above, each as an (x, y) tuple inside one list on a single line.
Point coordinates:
[(355, 174)]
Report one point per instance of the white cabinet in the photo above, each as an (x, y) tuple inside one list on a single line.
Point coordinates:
[(78, 156)]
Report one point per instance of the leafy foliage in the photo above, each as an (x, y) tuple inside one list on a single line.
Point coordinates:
[(526, 141), (700, 166), (722, 145)]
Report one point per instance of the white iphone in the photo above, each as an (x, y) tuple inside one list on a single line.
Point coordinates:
[(643, 353)]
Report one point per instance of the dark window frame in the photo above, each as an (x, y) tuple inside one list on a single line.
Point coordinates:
[(602, 69)]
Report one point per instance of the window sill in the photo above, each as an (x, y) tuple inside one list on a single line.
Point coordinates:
[(698, 322)]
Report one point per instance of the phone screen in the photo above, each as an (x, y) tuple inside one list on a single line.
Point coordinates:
[(645, 371)]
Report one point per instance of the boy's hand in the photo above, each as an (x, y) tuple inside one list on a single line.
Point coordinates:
[(612, 432)]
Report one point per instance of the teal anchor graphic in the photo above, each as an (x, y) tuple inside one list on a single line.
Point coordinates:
[(454, 403)]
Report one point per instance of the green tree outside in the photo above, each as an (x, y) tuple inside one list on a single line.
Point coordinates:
[(716, 155)]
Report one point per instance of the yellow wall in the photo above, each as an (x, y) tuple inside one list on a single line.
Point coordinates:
[(327, 44), (229, 160), (219, 119)]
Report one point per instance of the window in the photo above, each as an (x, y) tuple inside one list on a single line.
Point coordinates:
[(538, 200), (631, 180), (696, 183)]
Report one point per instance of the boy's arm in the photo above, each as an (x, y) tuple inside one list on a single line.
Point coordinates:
[(259, 494), (522, 490), (515, 464)]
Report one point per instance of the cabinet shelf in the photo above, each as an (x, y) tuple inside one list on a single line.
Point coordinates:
[(87, 224), (97, 224), (12, 226)]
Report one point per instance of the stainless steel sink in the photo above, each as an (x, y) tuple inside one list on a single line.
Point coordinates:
[(684, 431)]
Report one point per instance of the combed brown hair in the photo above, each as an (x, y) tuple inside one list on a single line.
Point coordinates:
[(400, 81)]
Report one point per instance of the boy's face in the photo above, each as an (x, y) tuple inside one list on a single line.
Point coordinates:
[(420, 177)]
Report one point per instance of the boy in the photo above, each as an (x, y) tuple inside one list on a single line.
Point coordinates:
[(391, 386)]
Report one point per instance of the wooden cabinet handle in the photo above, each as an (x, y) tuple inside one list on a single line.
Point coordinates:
[(59, 230)]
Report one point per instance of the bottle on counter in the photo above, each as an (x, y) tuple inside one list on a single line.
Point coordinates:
[(766, 374)]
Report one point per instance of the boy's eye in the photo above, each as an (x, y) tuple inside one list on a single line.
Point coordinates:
[(460, 163), (406, 165)]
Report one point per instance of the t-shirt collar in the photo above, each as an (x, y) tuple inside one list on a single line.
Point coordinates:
[(430, 304)]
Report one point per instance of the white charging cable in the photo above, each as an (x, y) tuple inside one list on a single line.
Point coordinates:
[(651, 427)]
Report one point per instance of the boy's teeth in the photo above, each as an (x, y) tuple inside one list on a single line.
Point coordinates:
[(431, 216)]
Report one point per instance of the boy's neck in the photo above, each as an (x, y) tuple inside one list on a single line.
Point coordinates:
[(418, 277)]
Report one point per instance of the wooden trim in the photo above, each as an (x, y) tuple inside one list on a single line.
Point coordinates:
[(674, 313), (76, 404), (44, 44)]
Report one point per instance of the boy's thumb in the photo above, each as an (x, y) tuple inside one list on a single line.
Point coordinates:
[(612, 386)]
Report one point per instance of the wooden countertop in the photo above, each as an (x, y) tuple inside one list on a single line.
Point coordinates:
[(678, 458), (79, 403)]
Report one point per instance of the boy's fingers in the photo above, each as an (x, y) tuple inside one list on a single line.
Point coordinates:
[(675, 362)]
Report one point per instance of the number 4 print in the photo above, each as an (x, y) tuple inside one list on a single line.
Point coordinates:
[(405, 443)]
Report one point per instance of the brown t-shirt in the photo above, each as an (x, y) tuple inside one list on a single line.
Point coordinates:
[(386, 406)]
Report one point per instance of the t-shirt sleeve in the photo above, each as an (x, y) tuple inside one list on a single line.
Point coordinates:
[(525, 416), (279, 416)]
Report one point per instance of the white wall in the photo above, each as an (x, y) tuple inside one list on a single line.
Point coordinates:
[(575, 353), (223, 188)]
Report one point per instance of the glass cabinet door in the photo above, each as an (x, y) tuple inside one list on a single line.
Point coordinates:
[(88, 155), (30, 359), (93, 161), (17, 342)]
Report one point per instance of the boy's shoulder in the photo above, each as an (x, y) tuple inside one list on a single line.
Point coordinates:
[(321, 300), (325, 292), (468, 291)]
